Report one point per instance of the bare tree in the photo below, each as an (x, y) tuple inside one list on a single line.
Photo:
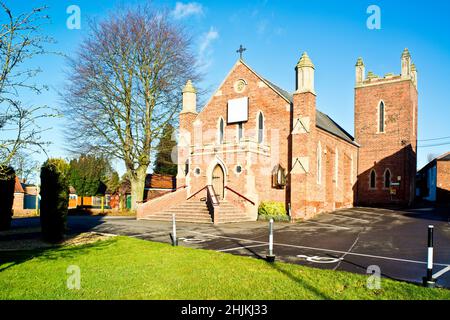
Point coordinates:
[(20, 41), (124, 86), (26, 167)]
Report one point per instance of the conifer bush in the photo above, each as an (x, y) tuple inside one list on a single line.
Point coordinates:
[(7, 182), (54, 199)]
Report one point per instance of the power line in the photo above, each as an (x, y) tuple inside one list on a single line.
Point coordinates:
[(435, 139), (434, 145)]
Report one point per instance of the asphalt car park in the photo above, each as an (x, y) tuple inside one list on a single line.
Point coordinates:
[(354, 240)]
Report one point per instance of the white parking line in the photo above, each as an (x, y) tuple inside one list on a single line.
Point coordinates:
[(441, 273), (150, 234), (242, 247), (325, 250)]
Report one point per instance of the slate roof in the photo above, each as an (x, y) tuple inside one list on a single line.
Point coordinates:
[(444, 157), (323, 121)]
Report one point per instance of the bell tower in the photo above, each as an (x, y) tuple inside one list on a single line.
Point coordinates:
[(386, 129)]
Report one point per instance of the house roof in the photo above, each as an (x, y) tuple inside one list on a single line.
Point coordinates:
[(18, 186), (444, 157), (160, 181), (152, 181), (323, 121)]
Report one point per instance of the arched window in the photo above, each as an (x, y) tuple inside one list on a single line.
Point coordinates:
[(260, 120), (319, 163), (387, 178), (221, 131), (373, 179), (381, 117)]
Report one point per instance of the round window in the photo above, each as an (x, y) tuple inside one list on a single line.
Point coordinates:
[(238, 169), (197, 171)]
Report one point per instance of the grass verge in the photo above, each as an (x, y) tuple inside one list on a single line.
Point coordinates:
[(126, 268)]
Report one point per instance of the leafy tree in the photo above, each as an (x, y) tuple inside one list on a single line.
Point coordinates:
[(90, 175), (7, 182), (113, 182), (54, 199), (124, 87), (164, 163)]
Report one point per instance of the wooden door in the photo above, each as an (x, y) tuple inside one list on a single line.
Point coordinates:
[(218, 182)]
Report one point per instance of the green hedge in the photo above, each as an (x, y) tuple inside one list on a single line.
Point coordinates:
[(272, 210), (7, 182), (54, 199)]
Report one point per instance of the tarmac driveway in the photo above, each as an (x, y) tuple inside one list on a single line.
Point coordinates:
[(350, 239)]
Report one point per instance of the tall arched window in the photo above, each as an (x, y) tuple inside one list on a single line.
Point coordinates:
[(221, 131), (373, 179), (381, 117), (319, 163), (260, 120), (387, 178)]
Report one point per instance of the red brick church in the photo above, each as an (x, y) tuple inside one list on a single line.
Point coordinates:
[(254, 142)]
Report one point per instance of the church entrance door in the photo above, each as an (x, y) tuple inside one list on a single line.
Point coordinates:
[(218, 181)]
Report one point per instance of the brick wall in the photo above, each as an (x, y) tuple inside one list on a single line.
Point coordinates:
[(306, 195), (395, 149), (443, 182), (18, 202)]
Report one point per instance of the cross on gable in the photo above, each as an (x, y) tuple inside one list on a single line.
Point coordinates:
[(241, 50)]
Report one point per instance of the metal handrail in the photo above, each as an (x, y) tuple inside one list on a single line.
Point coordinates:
[(197, 193), (240, 195), (212, 195)]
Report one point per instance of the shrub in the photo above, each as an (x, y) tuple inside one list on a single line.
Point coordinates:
[(7, 182), (272, 210), (54, 199)]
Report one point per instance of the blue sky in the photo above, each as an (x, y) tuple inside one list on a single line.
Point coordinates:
[(334, 33)]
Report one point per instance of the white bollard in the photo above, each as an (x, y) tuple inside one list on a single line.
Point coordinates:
[(428, 280), (270, 257)]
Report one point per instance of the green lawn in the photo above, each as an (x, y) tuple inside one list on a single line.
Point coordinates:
[(125, 268)]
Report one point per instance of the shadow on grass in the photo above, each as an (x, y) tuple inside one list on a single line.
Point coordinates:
[(20, 234), (10, 259)]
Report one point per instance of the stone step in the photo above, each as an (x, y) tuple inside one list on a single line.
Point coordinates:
[(183, 219), (178, 209), (178, 214)]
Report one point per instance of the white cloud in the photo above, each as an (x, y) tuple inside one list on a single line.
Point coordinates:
[(183, 10), (205, 51)]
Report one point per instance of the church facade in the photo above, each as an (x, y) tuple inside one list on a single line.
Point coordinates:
[(255, 142)]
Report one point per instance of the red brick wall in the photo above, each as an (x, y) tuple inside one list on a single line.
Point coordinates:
[(395, 149), (18, 201), (443, 182), (306, 195), (276, 113)]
